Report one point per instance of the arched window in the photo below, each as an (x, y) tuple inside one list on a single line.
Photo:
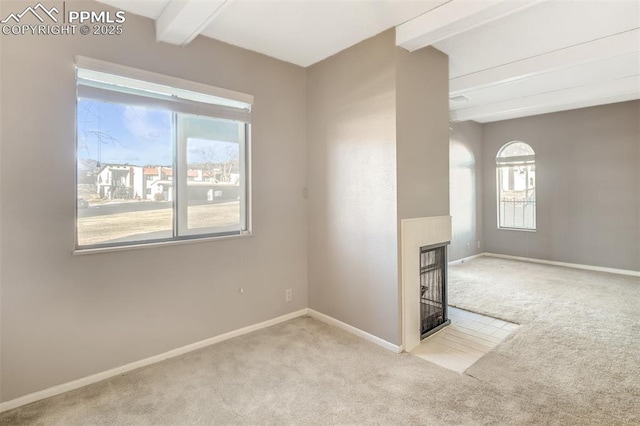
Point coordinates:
[(516, 179)]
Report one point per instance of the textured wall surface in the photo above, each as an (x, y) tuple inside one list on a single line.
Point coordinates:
[(466, 175), (378, 153), (422, 133), (352, 187)]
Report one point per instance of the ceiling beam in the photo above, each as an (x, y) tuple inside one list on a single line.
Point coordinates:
[(454, 17), (584, 75), (558, 108), (576, 97), (596, 50), (182, 20)]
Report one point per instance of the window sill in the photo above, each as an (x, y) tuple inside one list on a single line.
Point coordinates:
[(82, 252)]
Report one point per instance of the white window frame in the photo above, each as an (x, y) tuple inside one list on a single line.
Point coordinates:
[(504, 162), (105, 81)]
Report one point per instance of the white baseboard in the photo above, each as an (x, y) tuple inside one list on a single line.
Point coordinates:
[(353, 330), (568, 265), (465, 259), (65, 387)]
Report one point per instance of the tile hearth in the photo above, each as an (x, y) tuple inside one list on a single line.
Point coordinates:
[(469, 337)]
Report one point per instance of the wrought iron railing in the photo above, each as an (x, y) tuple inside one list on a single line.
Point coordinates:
[(517, 213)]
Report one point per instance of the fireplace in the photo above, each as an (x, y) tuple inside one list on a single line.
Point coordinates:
[(433, 289), (418, 233)]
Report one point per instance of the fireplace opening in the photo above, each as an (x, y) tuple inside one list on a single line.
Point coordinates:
[(433, 289)]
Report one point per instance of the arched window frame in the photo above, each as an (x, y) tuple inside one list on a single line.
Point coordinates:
[(516, 209)]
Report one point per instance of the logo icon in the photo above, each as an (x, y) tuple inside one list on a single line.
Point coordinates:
[(34, 11)]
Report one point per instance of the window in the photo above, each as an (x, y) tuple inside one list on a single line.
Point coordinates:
[(516, 179), (158, 158)]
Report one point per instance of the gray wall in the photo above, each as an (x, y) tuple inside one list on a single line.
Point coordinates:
[(352, 187), (466, 189), (378, 153), (422, 133), (66, 317), (588, 179)]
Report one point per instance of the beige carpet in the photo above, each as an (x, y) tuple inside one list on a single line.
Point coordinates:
[(579, 346), (575, 360)]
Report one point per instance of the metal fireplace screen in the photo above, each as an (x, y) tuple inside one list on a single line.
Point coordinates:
[(433, 297)]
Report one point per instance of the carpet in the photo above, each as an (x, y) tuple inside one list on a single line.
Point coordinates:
[(579, 344), (574, 361)]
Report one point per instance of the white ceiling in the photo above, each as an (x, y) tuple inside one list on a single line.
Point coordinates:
[(551, 56), (508, 58), (302, 32), (305, 32)]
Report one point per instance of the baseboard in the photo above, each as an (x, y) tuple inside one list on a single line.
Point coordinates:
[(465, 259), (65, 387), (353, 330), (568, 265)]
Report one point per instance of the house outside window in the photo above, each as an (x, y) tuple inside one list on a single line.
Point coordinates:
[(146, 146), (516, 186)]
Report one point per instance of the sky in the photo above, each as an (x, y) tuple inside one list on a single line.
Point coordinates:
[(123, 134)]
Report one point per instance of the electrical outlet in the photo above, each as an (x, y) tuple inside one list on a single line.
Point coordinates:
[(288, 295), (478, 244), (468, 246)]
